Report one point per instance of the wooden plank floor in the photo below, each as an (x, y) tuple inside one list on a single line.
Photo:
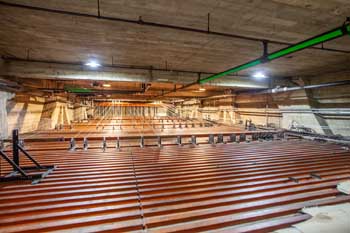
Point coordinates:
[(247, 187)]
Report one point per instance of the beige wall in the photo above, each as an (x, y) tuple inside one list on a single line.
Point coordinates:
[(4, 96), (24, 113), (325, 110), (54, 112)]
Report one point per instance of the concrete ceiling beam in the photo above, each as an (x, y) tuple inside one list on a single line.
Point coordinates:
[(57, 71)]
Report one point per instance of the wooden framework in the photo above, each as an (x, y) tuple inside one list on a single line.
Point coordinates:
[(255, 187)]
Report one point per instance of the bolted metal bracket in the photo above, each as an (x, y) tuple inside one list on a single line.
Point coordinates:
[(211, 139), (264, 57), (85, 144), (220, 138), (232, 137), (72, 144), (118, 144), (179, 140), (194, 140), (104, 144), (159, 142), (344, 27)]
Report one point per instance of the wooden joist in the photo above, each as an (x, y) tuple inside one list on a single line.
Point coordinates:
[(226, 188)]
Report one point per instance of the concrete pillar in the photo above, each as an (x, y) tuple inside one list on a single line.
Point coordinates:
[(4, 96), (80, 113)]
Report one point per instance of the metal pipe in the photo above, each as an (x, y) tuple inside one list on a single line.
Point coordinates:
[(160, 25), (287, 89), (327, 36)]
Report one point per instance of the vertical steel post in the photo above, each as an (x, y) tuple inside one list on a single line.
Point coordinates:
[(179, 140), (194, 140), (211, 139), (232, 137), (104, 144), (118, 144), (85, 144), (159, 141), (72, 144), (220, 138), (15, 147)]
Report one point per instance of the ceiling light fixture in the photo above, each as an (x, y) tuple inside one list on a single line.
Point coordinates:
[(93, 64), (106, 85), (201, 89), (259, 75)]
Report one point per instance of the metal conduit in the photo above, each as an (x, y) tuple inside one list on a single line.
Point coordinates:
[(327, 36), (160, 25)]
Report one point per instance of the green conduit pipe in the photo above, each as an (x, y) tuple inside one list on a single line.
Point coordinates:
[(330, 35)]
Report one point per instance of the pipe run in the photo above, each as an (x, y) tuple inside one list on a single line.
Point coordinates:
[(287, 89), (327, 36), (157, 25)]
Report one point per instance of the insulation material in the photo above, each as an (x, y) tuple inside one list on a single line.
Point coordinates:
[(344, 187), (325, 219)]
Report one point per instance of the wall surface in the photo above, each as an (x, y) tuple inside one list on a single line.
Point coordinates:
[(54, 113), (4, 96), (24, 113), (324, 110)]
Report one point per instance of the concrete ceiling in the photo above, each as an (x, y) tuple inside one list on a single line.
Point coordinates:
[(38, 35)]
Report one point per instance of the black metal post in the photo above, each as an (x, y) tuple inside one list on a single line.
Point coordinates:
[(30, 157), (15, 166), (15, 147)]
